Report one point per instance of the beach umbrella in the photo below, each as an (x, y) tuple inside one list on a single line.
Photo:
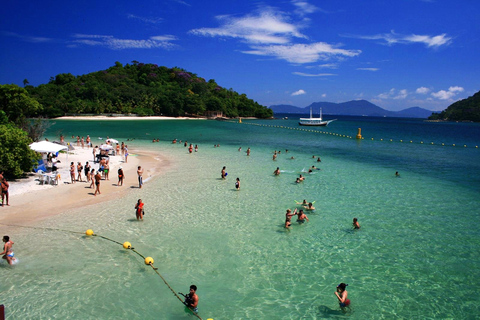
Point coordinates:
[(112, 140), (47, 146), (106, 147)]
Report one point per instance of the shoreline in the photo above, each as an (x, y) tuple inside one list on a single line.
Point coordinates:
[(31, 202), (125, 118)]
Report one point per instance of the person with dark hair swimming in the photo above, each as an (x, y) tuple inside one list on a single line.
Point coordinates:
[(342, 295)]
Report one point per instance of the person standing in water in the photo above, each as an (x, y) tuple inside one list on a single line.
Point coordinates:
[(224, 173), (301, 217), (191, 300), (139, 209), (342, 295), (248, 151), (356, 225), (7, 250), (277, 171), (237, 184), (288, 218)]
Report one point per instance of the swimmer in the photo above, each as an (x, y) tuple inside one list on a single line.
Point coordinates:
[(397, 174), (304, 203), (356, 225), (239, 149), (275, 156), (248, 151), (288, 218), (342, 295), (224, 173), (301, 217), (314, 168), (309, 207), (318, 159), (237, 184), (298, 180), (301, 178), (8, 251), (277, 171)]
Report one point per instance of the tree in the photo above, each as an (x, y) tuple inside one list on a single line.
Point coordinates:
[(16, 157), (17, 103), (25, 82)]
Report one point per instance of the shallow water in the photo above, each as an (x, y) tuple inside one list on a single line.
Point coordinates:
[(416, 255)]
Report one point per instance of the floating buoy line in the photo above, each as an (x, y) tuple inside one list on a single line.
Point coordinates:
[(126, 245), (356, 137)]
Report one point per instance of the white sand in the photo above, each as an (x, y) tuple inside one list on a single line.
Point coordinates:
[(31, 201), (126, 118)]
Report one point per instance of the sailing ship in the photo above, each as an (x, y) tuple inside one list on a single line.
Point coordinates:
[(319, 122)]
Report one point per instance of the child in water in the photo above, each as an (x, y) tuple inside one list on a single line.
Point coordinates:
[(342, 295)]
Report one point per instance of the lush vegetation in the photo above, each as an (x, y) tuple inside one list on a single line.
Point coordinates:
[(463, 110), (143, 89), (16, 157)]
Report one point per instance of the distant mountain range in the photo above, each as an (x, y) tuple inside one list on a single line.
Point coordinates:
[(352, 108)]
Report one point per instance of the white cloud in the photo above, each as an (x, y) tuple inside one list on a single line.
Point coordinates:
[(394, 38), (119, 44), (402, 94), (28, 38), (328, 66), (447, 94), (324, 95), (422, 90), (272, 33), (302, 53), (304, 7), (145, 19), (298, 92), (368, 69), (313, 75), (266, 27), (394, 94)]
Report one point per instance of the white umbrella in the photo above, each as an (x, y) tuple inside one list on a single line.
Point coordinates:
[(46, 146), (106, 147), (112, 140)]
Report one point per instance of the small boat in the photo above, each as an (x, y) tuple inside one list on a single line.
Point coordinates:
[(319, 122)]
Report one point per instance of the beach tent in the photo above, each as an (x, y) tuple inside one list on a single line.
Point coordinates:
[(46, 146)]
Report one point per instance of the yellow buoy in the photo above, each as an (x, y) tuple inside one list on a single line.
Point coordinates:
[(127, 245), (89, 232), (149, 260), (359, 134)]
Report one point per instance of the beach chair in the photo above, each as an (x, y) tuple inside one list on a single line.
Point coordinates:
[(39, 174)]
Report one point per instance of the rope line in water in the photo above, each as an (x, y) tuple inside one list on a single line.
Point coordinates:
[(148, 260), (350, 137)]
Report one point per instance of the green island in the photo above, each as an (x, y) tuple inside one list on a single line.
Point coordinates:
[(462, 110), (142, 89)]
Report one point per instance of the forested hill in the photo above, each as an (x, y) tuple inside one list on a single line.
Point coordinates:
[(463, 110), (144, 89)]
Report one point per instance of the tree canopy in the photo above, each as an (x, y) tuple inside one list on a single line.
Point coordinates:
[(463, 110), (144, 89)]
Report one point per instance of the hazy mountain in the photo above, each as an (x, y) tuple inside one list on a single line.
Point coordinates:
[(352, 108)]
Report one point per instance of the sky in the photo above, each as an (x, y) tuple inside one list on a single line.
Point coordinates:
[(396, 54)]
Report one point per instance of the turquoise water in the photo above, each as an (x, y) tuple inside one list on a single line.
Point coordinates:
[(416, 255)]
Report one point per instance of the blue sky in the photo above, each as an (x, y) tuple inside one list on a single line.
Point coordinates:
[(396, 54)]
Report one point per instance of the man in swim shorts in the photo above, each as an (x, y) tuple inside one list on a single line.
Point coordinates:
[(8, 251), (191, 300)]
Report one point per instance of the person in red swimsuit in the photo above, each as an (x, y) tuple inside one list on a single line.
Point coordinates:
[(342, 295), (139, 209)]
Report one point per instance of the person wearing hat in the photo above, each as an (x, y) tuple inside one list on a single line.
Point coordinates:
[(121, 176)]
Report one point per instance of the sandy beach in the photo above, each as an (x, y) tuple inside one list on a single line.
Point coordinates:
[(103, 118), (31, 201)]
